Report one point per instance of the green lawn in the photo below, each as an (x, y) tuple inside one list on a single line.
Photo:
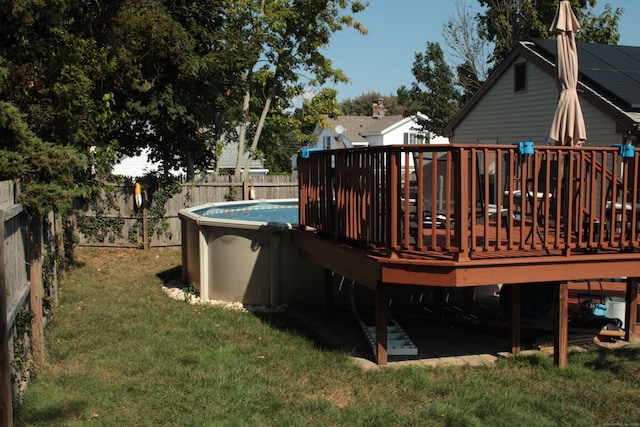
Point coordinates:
[(121, 353)]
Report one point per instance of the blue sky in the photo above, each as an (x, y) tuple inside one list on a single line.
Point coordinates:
[(381, 61)]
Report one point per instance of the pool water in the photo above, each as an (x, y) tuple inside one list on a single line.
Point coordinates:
[(285, 212)]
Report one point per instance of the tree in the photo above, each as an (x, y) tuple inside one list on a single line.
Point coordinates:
[(56, 115), (48, 172), (467, 48), (290, 34), (406, 99), (179, 65), (287, 130), (362, 104), (109, 78), (322, 105), (434, 90), (602, 28), (506, 22)]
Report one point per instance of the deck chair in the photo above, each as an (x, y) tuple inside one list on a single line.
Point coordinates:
[(622, 205), (432, 204), (484, 204), (540, 186)]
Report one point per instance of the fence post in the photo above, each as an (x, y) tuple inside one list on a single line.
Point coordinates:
[(51, 248), (145, 223), (245, 190), (6, 414), (35, 274), (58, 232)]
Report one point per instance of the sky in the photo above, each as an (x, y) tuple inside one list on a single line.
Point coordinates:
[(381, 61)]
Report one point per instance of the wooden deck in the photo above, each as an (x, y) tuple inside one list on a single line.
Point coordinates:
[(468, 215)]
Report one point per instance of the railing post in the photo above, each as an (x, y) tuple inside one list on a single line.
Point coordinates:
[(461, 202), (392, 202)]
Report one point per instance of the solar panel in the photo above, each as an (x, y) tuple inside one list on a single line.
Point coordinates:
[(614, 69)]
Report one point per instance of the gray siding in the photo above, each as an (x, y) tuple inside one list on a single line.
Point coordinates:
[(505, 116)]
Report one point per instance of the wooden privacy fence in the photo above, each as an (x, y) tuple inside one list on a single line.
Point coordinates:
[(22, 293), (116, 221)]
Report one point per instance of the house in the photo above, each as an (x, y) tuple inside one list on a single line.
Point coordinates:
[(140, 165), (371, 131), (375, 130), (227, 160), (518, 100)]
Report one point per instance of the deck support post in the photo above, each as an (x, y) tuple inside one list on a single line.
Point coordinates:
[(328, 294), (631, 309), (382, 314), (561, 324), (515, 321)]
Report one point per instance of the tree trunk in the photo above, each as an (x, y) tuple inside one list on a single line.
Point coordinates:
[(256, 137), (242, 135), (190, 165)]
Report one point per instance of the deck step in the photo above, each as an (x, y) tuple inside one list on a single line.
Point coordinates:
[(398, 342)]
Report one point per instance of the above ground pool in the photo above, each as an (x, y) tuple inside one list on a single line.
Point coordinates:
[(241, 252), (285, 212)]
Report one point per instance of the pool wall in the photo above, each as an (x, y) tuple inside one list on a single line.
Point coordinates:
[(246, 261)]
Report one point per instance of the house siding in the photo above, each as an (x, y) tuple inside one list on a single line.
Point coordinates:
[(505, 116)]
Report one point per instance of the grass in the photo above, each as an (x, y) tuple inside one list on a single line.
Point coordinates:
[(121, 353)]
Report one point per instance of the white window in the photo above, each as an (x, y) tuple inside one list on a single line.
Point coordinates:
[(326, 143), (417, 138)]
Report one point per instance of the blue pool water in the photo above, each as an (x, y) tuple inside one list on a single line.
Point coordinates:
[(284, 212)]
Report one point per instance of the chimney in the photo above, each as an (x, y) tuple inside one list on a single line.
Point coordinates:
[(378, 109)]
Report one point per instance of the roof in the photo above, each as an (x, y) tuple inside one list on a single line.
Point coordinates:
[(357, 126), (229, 156), (609, 76), (611, 68)]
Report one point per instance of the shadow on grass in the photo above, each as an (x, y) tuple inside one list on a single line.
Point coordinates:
[(621, 361), (284, 322), (49, 414), (172, 276)]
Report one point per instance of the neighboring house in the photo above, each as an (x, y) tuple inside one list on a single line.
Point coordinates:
[(518, 101), (137, 166), (229, 156), (370, 131), (140, 165)]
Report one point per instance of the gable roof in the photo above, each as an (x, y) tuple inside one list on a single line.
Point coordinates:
[(229, 156), (609, 76), (357, 126)]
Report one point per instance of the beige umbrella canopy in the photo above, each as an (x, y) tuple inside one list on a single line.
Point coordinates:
[(568, 123)]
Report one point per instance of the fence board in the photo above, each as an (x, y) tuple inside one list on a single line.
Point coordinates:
[(117, 206), (18, 244), (15, 245), (6, 404)]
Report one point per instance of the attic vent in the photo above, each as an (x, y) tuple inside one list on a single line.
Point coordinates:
[(520, 77)]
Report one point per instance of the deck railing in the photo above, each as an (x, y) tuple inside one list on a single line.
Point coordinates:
[(463, 200)]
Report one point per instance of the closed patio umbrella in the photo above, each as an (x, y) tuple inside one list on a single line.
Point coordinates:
[(568, 126)]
